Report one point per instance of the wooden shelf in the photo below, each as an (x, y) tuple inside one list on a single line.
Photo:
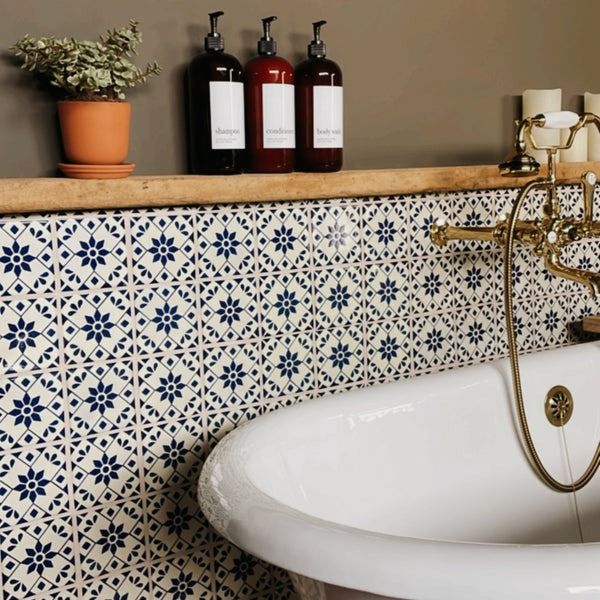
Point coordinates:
[(591, 324), (59, 194)]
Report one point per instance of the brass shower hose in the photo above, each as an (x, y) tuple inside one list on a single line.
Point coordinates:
[(526, 438)]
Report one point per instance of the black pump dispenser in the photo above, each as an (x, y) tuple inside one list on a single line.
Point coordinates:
[(214, 41), (317, 49), (267, 46)]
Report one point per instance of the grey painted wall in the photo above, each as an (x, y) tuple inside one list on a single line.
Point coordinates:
[(427, 82)]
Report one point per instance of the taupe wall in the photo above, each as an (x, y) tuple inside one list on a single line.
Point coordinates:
[(427, 82)]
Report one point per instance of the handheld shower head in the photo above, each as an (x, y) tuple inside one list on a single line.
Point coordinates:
[(519, 165)]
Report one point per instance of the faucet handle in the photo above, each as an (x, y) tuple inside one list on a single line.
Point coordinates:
[(589, 180)]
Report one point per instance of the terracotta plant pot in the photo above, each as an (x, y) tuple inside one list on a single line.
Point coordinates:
[(95, 133)]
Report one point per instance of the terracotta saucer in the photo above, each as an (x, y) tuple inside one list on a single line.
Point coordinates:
[(97, 171)]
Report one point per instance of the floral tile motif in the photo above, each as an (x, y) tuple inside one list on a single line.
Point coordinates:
[(474, 209), (478, 278), (31, 410), (288, 365), (37, 558), (163, 248), (25, 258), (97, 327), (131, 585), (526, 326), (176, 522), (33, 484), (336, 233), (338, 296), (105, 469), (223, 422), (166, 319), (525, 265), (229, 310), (239, 574), (552, 320), (226, 242), (286, 303), (432, 341), (173, 454), (232, 376), (387, 291), (111, 538), (385, 229), (433, 284), (388, 350), (339, 357), (186, 577), (476, 331), (28, 335), (92, 253), (423, 212), (170, 387), (283, 237), (100, 398)]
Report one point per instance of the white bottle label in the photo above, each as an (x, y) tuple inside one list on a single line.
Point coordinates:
[(328, 116), (279, 126), (227, 115)]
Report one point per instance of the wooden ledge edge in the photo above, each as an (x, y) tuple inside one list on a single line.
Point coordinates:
[(591, 324), (19, 196)]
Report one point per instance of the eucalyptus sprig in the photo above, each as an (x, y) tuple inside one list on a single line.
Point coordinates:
[(87, 70)]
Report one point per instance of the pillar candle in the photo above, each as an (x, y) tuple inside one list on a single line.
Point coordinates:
[(578, 152), (534, 103), (591, 103)]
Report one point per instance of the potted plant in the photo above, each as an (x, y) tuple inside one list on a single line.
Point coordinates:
[(93, 77)]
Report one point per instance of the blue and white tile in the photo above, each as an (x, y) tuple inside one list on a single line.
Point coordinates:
[(166, 319), (186, 577), (526, 324), (286, 303), (340, 357), (476, 332), (239, 574), (28, 335), (220, 424), (175, 522), (552, 320), (173, 453), (388, 350), (226, 242), (37, 558), (232, 376), (478, 278), (163, 247), (92, 253), (100, 398), (97, 327), (336, 231), (474, 209), (283, 237), (105, 469), (338, 296), (387, 291), (288, 365), (504, 200), (229, 310), (33, 484), (111, 538), (32, 410), (424, 211), (130, 585), (170, 387), (25, 258), (386, 231), (433, 284), (433, 341)]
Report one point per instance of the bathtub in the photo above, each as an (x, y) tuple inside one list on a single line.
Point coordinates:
[(419, 489)]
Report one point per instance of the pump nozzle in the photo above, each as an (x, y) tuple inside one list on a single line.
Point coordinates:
[(267, 45), (317, 47), (214, 40)]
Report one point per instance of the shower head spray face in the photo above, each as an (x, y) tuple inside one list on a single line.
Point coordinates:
[(519, 165)]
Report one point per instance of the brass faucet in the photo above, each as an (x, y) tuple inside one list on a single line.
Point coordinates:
[(550, 233)]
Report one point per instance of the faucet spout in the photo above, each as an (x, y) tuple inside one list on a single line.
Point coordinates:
[(588, 278)]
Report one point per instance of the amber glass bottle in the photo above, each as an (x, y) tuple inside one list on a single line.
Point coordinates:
[(216, 108), (270, 120), (319, 110)]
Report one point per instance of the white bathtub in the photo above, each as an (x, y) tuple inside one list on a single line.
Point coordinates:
[(418, 489)]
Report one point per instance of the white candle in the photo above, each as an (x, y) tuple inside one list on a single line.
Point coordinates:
[(591, 103), (534, 103), (578, 152)]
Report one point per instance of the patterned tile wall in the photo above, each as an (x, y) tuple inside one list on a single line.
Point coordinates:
[(131, 342)]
